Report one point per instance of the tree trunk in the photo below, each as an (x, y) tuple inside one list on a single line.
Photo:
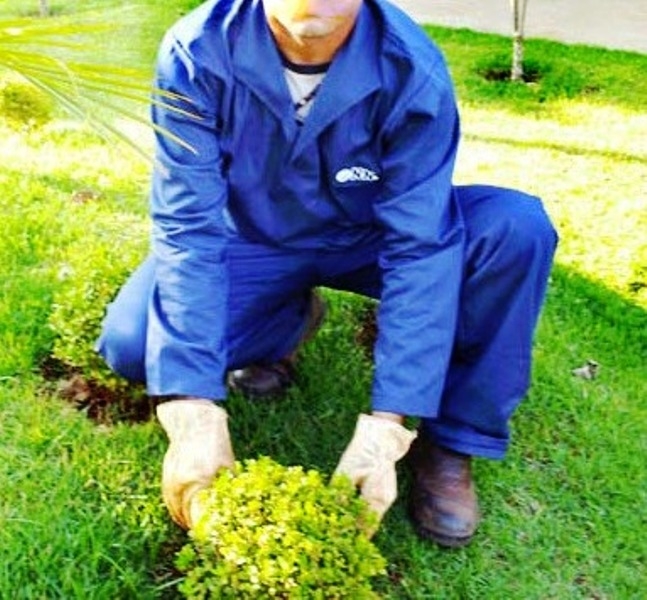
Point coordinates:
[(44, 8), (518, 24), (516, 72)]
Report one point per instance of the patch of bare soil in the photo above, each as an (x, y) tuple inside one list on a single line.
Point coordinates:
[(103, 405), (494, 73), (367, 331)]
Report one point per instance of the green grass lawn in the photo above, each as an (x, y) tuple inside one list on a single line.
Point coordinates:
[(564, 515)]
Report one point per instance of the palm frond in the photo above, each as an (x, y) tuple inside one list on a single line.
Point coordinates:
[(44, 52)]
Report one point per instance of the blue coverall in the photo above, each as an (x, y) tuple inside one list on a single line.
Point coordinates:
[(358, 198)]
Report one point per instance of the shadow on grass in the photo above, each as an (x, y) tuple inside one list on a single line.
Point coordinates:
[(567, 149)]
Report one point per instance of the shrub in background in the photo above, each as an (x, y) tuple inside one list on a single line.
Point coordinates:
[(23, 104), (274, 531), (93, 269)]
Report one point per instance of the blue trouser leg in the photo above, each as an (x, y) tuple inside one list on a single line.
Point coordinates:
[(509, 252), (123, 338), (268, 303)]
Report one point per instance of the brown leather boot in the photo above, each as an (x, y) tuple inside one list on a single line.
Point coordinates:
[(443, 503), (260, 381), (263, 382)]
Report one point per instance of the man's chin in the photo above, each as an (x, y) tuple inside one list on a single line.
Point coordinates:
[(311, 29)]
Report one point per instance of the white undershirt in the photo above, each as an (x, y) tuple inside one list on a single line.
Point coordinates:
[(303, 90)]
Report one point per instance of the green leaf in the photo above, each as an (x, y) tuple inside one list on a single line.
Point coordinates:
[(44, 51)]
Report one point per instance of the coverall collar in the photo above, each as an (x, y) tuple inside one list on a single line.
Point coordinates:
[(353, 74)]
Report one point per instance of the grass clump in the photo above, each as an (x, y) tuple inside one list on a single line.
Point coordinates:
[(542, 80), (22, 104), (274, 531), (92, 272), (556, 72)]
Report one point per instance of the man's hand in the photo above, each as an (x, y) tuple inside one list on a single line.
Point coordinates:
[(199, 447), (369, 460)]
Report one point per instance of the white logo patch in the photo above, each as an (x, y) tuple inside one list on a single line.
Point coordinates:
[(351, 174)]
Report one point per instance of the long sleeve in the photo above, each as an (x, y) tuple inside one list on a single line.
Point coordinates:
[(186, 352), (421, 261)]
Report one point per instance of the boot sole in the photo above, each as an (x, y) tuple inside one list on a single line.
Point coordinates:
[(445, 541)]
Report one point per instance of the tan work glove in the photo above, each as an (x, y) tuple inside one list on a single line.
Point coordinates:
[(369, 460), (199, 447)]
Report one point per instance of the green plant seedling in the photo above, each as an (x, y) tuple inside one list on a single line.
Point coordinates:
[(273, 531)]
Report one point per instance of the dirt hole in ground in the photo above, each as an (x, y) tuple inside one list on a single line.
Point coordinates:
[(101, 404), (367, 331), (494, 73)]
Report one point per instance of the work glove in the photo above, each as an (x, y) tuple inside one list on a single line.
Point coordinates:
[(369, 460), (199, 447)]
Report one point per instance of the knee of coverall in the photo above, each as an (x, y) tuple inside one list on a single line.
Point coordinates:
[(122, 347), (507, 225), (509, 251), (123, 338)]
